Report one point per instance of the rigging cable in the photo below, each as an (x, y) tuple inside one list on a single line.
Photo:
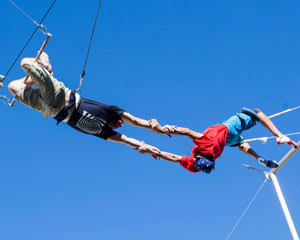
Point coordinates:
[(243, 165), (88, 51), (39, 26), (245, 211), (26, 15)]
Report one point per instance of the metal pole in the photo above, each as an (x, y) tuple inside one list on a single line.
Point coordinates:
[(284, 112), (286, 158), (284, 206)]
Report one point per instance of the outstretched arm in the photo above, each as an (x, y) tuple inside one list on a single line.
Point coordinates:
[(135, 121), (176, 130), (138, 122), (121, 138), (164, 155), (246, 148), (170, 157)]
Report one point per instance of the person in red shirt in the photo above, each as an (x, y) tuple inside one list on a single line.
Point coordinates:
[(210, 144)]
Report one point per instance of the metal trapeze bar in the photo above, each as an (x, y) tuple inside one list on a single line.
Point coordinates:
[(286, 158)]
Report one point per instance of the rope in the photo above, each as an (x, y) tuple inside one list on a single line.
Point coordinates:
[(88, 51), (245, 211), (31, 36)]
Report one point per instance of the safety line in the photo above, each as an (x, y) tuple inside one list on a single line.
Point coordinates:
[(20, 53), (26, 15), (244, 165), (245, 211), (88, 51), (182, 142)]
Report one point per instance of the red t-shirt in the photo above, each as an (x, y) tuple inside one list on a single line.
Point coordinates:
[(210, 146)]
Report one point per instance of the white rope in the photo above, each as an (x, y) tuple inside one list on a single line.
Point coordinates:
[(243, 214)]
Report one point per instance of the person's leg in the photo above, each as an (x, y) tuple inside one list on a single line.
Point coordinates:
[(52, 92), (15, 85), (26, 63), (247, 149), (26, 94), (43, 60), (268, 124), (49, 97)]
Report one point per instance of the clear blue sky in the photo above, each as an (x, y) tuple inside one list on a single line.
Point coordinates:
[(190, 63)]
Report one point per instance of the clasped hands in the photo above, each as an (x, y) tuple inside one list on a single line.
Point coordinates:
[(157, 128), (146, 148)]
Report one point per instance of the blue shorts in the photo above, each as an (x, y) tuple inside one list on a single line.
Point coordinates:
[(236, 125)]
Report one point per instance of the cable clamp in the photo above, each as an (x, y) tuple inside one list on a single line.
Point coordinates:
[(43, 29)]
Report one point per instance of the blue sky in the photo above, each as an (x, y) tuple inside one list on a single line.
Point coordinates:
[(190, 63)]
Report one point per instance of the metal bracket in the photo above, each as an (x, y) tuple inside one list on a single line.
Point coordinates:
[(5, 100)]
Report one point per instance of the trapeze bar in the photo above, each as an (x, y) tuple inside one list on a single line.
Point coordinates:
[(286, 158)]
